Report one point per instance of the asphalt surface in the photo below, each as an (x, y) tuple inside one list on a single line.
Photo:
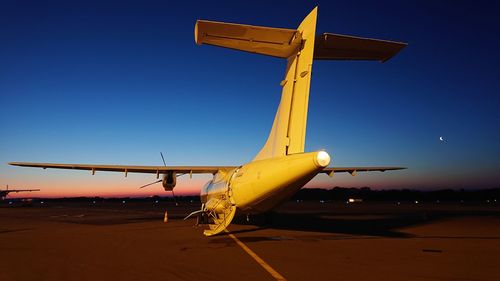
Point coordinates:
[(301, 241)]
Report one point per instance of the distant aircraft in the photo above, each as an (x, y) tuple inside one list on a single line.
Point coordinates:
[(5, 192), (281, 167)]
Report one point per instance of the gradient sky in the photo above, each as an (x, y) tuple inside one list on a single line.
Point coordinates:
[(116, 82)]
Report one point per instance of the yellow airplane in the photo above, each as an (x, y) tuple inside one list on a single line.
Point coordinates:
[(281, 167)]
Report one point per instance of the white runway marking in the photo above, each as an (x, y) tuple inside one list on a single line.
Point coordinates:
[(258, 259)]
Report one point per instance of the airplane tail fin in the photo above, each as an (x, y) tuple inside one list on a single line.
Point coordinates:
[(300, 47)]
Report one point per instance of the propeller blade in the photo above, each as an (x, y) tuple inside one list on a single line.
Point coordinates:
[(163, 159), (150, 184), (175, 200)]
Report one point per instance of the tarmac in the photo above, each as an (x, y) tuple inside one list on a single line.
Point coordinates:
[(300, 241)]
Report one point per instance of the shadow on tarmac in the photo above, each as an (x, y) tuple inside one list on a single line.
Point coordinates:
[(387, 225)]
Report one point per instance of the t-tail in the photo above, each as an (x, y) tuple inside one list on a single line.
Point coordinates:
[(299, 47)]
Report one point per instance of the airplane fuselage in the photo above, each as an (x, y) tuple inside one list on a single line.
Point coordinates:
[(259, 186)]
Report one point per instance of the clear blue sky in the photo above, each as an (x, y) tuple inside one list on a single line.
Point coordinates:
[(116, 82)]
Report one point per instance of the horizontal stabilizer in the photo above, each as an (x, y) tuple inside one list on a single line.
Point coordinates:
[(276, 42), (353, 170), (329, 46), (283, 42)]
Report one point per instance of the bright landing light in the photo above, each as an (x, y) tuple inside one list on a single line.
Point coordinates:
[(322, 159)]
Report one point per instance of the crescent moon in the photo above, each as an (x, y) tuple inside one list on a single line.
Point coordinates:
[(441, 139)]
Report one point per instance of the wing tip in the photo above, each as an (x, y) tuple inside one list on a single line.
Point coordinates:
[(393, 169)]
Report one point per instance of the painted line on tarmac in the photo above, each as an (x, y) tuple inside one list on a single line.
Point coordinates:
[(258, 259)]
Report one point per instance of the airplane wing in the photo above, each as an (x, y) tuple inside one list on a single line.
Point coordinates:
[(129, 169), (180, 169), (22, 190), (353, 170)]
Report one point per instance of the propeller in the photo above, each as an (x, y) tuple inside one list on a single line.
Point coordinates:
[(175, 199), (164, 164), (158, 181), (150, 183)]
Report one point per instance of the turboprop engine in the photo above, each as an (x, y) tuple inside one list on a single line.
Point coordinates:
[(169, 181)]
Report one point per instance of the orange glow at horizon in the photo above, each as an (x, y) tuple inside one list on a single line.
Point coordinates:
[(57, 185)]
